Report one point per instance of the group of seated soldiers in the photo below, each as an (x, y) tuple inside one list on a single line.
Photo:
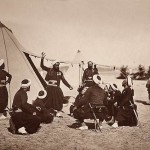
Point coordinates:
[(25, 117), (115, 107)]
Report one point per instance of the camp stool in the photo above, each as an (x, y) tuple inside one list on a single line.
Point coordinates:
[(97, 114)]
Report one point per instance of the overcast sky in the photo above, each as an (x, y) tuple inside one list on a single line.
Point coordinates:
[(109, 32)]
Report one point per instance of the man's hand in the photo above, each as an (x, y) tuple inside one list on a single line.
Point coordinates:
[(115, 104), (108, 98), (43, 54), (71, 88), (74, 108), (38, 108), (133, 106), (3, 82), (34, 114), (7, 82)]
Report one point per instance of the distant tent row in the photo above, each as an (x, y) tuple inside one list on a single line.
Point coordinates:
[(19, 64)]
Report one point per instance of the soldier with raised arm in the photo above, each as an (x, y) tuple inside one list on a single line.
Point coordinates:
[(54, 93)]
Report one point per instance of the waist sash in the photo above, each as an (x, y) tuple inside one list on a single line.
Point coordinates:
[(52, 83)]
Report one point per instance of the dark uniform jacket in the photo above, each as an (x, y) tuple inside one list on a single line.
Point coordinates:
[(126, 97), (39, 102), (20, 102), (87, 78), (93, 95), (78, 99), (126, 112), (117, 97), (54, 75), (88, 74)]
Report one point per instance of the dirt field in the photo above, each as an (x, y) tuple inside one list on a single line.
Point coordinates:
[(58, 136)]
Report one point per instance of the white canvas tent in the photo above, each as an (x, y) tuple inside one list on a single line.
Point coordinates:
[(75, 72), (19, 64)]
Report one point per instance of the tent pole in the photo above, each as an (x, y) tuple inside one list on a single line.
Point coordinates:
[(7, 67), (79, 73)]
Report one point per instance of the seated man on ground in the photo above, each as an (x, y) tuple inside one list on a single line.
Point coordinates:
[(126, 113), (24, 117), (81, 91), (113, 99), (94, 96), (46, 115)]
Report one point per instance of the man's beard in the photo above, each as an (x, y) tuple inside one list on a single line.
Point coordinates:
[(56, 69), (89, 67)]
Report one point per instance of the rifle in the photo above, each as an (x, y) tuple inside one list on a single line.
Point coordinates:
[(95, 119), (135, 112), (136, 115)]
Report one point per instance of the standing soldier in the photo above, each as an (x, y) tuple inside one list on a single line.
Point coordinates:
[(148, 89), (95, 69), (5, 78), (87, 78), (54, 93)]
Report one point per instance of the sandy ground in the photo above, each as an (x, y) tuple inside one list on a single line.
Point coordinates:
[(58, 136)]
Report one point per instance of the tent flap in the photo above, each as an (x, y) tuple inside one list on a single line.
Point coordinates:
[(19, 65)]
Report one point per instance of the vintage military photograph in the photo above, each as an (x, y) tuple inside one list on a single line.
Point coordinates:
[(74, 74)]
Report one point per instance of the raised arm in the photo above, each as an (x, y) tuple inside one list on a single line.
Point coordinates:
[(42, 63)]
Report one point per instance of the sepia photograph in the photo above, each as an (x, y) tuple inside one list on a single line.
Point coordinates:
[(74, 74)]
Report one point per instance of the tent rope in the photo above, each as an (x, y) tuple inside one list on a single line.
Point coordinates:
[(23, 57), (7, 64)]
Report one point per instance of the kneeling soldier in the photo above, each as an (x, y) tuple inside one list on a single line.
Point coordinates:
[(94, 96), (24, 118)]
